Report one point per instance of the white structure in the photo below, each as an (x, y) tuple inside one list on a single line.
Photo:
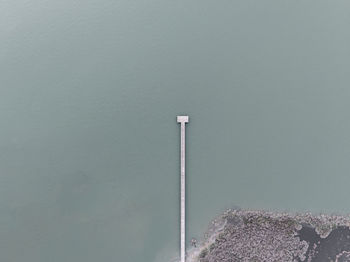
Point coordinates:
[(183, 120)]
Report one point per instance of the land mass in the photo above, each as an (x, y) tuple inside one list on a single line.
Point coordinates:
[(257, 236)]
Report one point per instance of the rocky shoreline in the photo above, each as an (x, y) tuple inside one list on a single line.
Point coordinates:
[(256, 236)]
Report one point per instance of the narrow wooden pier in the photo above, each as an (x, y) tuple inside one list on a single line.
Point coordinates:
[(183, 120)]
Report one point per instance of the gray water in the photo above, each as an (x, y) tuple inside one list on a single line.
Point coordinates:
[(89, 145)]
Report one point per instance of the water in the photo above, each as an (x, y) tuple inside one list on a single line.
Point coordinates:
[(89, 145)]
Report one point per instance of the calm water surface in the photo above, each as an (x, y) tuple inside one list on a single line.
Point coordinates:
[(89, 145)]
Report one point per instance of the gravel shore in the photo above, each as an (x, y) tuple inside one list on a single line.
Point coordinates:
[(256, 236)]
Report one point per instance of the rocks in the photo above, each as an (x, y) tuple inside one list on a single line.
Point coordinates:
[(194, 242), (252, 236)]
